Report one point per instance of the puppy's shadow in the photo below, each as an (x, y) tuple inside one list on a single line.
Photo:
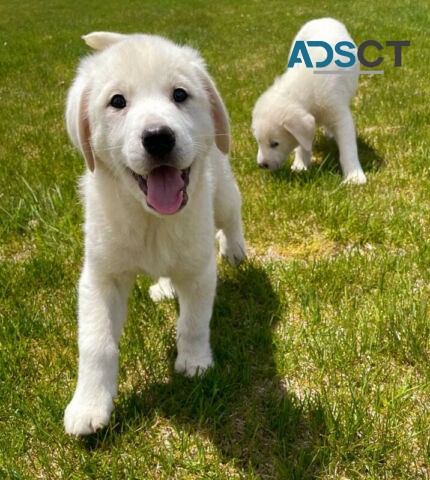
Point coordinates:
[(370, 159), (241, 405), (325, 161)]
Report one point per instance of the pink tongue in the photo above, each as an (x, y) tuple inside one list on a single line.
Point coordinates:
[(165, 193)]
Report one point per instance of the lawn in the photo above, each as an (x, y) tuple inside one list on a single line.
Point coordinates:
[(321, 338)]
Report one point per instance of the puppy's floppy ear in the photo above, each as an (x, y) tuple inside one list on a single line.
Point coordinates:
[(219, 112), (101, 40), (78, 125), (302, 126)]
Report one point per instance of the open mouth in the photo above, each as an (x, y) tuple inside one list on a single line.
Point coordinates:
[(165, 188)]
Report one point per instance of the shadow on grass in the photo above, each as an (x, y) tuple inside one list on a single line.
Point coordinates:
[(240, 405), (327, 150)]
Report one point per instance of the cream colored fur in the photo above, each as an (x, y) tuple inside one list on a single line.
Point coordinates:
[(286, 115), (123, 235)]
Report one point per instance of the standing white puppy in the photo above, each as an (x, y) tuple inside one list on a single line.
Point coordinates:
[(286, 115), (155, 133)]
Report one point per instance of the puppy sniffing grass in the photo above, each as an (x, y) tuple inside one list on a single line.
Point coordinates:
[(154, 132), (286, 115)]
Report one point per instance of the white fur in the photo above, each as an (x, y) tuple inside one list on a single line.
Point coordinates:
[(123, 236), (288, 112)]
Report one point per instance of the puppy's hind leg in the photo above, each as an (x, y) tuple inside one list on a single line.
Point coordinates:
[(344, 133), (328, 134), (228, 218), (162, 290)]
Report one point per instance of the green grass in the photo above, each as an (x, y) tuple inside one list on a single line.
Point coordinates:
[(321, 338)]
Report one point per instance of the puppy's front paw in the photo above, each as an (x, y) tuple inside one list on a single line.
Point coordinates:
[(162, 290), (298, 166), (84, 418), (191, 366), (232, 249)]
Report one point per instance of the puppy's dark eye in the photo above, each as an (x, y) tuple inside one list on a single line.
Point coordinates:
[(118, 101), (179, 95), (274, 144)]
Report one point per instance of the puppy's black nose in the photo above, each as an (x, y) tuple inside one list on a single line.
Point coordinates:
[(158, 140), (263, 165)]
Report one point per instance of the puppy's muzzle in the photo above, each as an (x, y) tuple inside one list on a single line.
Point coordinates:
[(158, 140), (164, 184)]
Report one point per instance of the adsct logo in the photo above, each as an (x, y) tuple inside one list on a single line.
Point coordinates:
[(346, 50)]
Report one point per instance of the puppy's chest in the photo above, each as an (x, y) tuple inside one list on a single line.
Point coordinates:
[(158, 249), (122, 237)]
